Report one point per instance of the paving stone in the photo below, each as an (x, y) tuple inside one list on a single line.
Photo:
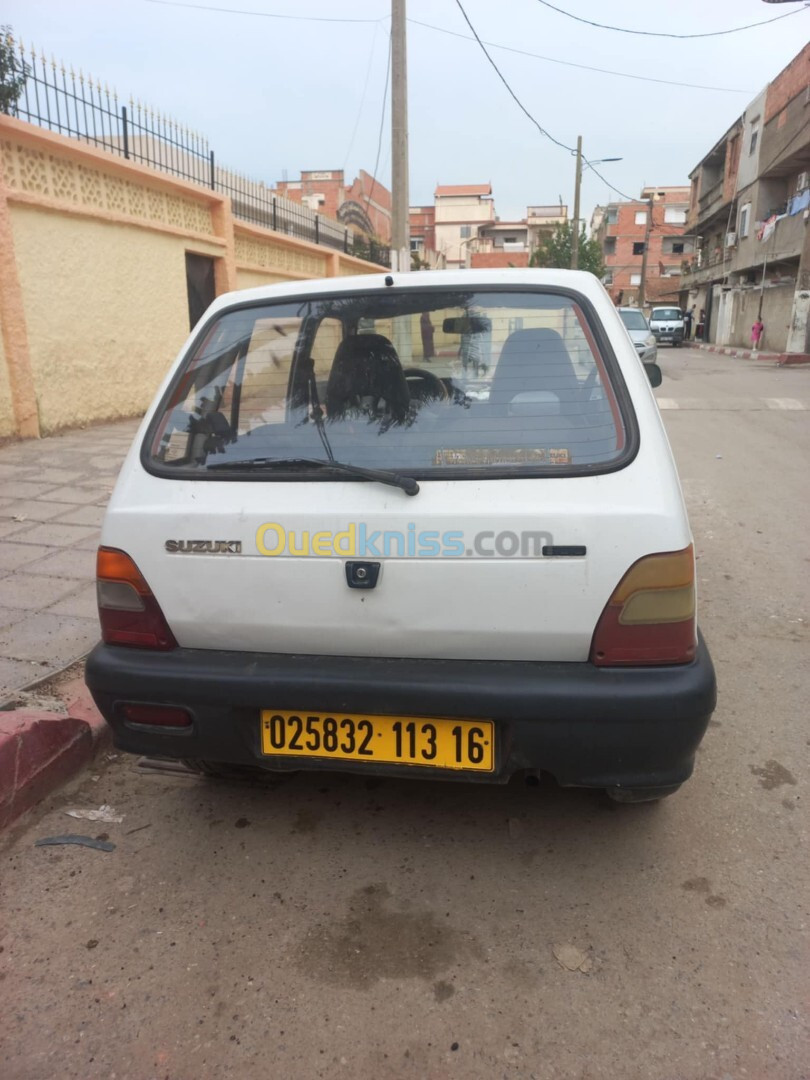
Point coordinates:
[(79, 496), (15, 674), (9, 471), (14, 555), (35, 510), (72, 562), (8, 616), (9, 527), (83, 603), (55, 639), (91, 543), (55, 535), (108, 463), (84, 515), (32, 592), (24, 489), (54, 476)]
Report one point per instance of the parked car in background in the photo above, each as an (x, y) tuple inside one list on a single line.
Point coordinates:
[(640, 334), (667, 324), (331, 550)]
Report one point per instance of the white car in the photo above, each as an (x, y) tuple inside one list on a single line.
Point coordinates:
[(668, 324), (643, 340), (322, 552)]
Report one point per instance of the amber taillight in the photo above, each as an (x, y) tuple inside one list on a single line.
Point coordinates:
[(128, 611), (650, 618)]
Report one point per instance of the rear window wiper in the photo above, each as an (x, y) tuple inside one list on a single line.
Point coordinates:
[(383, 476)]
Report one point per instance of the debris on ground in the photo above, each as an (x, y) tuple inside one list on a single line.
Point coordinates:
[(40, 700), (72, 838), (162, 765), (104, 813), (572, 958)]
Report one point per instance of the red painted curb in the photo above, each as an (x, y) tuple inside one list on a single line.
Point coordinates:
[(40, 750), (780, 359), (789, 359)]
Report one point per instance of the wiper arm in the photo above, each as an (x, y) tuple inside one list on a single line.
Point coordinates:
[(383, 476)]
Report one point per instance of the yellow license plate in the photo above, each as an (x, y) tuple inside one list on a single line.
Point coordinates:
[(394, 740)]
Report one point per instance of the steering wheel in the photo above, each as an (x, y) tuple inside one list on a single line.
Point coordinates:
[(434, 388)]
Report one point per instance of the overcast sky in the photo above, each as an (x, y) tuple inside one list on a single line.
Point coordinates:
[(277, 94)]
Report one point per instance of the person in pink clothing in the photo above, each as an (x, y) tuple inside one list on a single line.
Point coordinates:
[(757, 331)]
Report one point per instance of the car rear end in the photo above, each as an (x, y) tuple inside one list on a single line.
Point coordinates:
[(530, 607)]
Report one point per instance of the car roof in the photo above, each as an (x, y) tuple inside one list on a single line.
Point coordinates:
[(575, 280)]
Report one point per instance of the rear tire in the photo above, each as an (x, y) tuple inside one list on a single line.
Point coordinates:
[(640, 794)]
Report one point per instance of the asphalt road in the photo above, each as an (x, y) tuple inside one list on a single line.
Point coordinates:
[(349, 927)]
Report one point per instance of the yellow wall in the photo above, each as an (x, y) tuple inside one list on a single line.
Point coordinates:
[(93, 283), (106, 309), (7, 423), (251, 279)]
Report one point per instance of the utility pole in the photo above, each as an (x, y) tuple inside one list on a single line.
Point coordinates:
[(577, 186), (400, 220), (642, 292)]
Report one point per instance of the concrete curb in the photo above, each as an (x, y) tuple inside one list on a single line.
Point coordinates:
[(40, 750), (779, 359)]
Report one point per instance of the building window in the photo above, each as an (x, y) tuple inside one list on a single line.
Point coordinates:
[(612, 215), (677, 247), (416, 243), (610, 245), (635, 279), (607, 278), (641, 217), (754, 139), (465, 232), (745, 214), (673, 216), (638, 248)]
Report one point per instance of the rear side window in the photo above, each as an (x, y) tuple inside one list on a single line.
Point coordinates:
[(432, 383)]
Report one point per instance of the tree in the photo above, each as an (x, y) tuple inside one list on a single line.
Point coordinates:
[(555, 250), (13, 71)]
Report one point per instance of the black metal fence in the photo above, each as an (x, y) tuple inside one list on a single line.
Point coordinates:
[(79, 106)]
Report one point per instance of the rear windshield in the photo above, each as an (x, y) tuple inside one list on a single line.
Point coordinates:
[(633, 320), (662, 313), (428, 382)]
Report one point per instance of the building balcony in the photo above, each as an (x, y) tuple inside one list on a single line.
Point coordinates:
[(710, 200)]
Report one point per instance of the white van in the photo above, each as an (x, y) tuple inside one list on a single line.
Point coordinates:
[(667, 324), (422, 524)]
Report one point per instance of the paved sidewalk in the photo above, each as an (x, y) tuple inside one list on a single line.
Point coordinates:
[(741, 353), (52, 497)]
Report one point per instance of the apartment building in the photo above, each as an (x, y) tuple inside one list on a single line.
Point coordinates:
[(460, 211), (657, 223), (750, 213), (364, 205)]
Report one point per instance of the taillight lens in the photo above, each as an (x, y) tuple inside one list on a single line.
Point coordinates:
[(156, 715), (650, 618), (128, 612)]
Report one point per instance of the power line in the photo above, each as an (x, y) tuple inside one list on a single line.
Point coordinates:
[(453, 33), (658, 33), (261, 14), (362, 96), (526, 112), (583, 67), (382, 126), (512, 93)]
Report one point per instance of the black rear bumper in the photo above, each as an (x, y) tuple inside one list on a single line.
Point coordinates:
[(587, 726)]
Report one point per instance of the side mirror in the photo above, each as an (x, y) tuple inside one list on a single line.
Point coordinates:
[(469, 324), (654, 374)]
